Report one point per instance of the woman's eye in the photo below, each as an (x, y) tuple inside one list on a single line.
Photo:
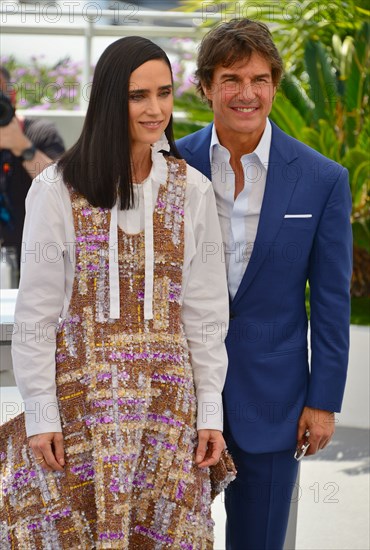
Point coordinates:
[(136, 97)]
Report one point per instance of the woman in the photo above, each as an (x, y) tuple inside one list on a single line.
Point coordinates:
[(124, 239)]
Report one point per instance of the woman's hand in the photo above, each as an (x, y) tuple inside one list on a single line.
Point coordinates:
[(210, 446), (48, 450)]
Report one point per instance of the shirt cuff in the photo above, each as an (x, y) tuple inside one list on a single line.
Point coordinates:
[(42, 415), (210, 412)]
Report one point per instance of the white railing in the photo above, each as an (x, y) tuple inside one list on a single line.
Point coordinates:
[(64, 19)]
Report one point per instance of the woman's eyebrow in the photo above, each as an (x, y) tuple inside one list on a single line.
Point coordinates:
[(145, 90)]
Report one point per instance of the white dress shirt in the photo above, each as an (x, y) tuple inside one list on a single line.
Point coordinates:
[(239, 218), (47, 272)]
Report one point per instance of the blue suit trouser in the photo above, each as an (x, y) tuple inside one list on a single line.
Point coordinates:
[(257, 503)]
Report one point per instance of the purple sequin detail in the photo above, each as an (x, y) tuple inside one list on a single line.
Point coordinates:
[(164, 419), (92, 238), (164, 444), (187, 466), (118, 458), (175, 291), (103, 376), (180, 489), (177, 209), (168, 378), (20, 478), (132, 417), (114, 485), (85, 471), (153, 534), (105, 419), (58, 515), (126, 356), (111, 536)]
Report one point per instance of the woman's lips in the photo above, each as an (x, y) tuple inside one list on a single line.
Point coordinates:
[(152, 125)]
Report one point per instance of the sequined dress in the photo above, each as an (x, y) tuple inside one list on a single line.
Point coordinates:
[(127, 404)]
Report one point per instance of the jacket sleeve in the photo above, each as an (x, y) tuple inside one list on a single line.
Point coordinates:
[(329, 278)]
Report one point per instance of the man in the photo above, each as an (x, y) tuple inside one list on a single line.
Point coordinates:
[(26, 148), (285, 216)]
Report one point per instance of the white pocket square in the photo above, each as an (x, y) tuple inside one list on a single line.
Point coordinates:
[(298, 216)]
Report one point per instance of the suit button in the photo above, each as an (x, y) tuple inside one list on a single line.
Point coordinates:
[(232, 315)]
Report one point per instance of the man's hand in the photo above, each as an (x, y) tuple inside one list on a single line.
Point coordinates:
[(48, 450), (13, 138), (320, 424), (210, 446)]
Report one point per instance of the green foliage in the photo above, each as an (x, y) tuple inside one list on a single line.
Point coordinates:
[(182, 129), (196, 109), (360, 311), (335, 113), (291, 23)]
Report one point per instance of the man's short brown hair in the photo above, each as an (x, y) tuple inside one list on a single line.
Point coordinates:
[(234, 41)]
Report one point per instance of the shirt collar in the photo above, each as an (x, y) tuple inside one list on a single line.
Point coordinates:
[(158, 174), (262, 150), (159, 168)]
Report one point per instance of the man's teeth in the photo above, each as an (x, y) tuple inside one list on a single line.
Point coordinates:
[(245, 109)]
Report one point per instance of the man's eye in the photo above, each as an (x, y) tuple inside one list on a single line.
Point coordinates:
[(165, 93)]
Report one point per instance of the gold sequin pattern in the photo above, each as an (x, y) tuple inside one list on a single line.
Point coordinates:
[(127, 403)]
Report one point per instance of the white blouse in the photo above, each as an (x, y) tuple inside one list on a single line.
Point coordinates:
[(47, 272)]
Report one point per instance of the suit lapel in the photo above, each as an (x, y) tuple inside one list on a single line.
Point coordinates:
[(280, 183), (199, 151)]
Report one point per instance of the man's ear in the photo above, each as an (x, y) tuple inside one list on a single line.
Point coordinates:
[(207, 91)]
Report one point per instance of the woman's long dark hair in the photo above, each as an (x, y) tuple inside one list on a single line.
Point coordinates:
[(98, 165)]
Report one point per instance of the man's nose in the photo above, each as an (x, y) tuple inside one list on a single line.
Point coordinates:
[(249, 90)]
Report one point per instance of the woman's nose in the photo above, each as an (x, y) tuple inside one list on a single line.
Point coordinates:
[(153, 106)]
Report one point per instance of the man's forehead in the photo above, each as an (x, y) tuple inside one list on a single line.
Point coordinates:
[(254, 60)]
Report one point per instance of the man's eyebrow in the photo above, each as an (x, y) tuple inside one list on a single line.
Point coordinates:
[(263, 75), (237, 76), (225, 75), (145, 90)]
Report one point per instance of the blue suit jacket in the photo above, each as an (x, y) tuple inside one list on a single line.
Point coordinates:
[(269, 379)]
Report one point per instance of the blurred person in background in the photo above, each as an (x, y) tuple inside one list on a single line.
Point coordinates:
[(26, 148)]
